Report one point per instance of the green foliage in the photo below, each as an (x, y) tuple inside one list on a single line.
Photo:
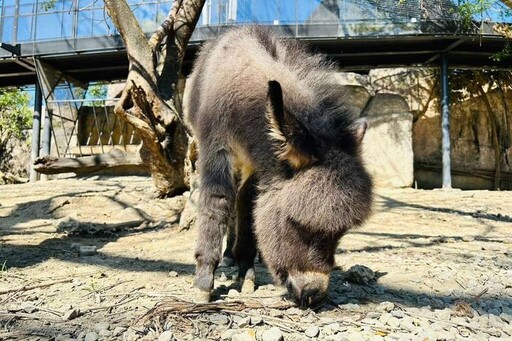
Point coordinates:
[(48, 5), (468, 9), (15, 116), (97, 91), (503, 54), (15, 119)]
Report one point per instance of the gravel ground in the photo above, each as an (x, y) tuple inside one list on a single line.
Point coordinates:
[(99, 259)]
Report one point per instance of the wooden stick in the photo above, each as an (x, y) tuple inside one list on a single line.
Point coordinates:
[(29, 316), (88, 310), (35, 286)]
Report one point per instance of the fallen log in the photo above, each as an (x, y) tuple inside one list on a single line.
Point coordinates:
[(116, 161)]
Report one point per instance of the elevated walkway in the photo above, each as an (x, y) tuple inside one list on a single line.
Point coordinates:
[(77, 37)]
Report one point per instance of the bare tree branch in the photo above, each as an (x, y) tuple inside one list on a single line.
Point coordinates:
[(166, 26), (508, 3)]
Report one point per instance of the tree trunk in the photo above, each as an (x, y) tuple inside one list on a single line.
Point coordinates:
[(149, 100), (494, 135)]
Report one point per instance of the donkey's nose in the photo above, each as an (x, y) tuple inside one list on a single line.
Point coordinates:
[(308, 288), (310, 298)]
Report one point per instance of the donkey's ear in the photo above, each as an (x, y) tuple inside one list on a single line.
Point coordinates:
[(296, 144), (275, 111)]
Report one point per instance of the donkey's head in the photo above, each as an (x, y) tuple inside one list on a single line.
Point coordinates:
[(300, 219)]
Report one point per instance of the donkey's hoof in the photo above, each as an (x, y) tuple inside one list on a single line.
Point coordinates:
[(248, 287), (201, 296)]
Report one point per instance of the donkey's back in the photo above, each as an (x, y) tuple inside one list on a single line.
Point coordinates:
[(226, 94)]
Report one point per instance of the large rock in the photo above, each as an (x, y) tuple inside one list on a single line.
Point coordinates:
[(386, 104), (355, 89), (353, 79), (387, 149)]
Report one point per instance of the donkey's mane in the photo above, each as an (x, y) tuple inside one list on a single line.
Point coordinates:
[(332, 120)]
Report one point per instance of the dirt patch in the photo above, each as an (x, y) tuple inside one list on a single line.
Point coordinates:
[(102, 259)]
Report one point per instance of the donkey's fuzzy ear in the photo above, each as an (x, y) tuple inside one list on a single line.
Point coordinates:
[(296, 144), (275, 111)]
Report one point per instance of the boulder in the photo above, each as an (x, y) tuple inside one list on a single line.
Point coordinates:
[(387, 149)]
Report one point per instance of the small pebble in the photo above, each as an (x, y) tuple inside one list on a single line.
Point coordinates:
[(398, 313), (385, 306), (104, 333), (331, 328), (87, 250), (101, 325), (255, 320), (244, 322), (312, 331), (272, 334), (92, 336), (468, 238), (71, 314), (173, 273), (372, 315), (232, 293), (219, 319), (166, 336)]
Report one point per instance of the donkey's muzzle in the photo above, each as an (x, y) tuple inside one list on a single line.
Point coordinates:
[(308, 288)]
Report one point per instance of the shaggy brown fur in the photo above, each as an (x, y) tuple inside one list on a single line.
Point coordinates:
[(264, 108)]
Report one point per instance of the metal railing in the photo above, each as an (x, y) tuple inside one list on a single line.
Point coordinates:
[(81, 127)]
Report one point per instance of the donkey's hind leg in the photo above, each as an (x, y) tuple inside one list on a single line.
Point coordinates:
[(216, 200), (245, 243)]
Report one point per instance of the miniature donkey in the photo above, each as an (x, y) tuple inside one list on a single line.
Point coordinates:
[(263, 111)]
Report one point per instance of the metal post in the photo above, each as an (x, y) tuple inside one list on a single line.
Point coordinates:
[(47, 137), (445, 122), (36, 130)]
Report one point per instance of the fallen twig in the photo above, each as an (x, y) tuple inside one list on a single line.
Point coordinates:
[(35, 286), (125, 297), (108, 287), (180, 306), (28, 316), (88, 310)]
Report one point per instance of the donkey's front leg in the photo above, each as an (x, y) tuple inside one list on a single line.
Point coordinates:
[(216, 200)]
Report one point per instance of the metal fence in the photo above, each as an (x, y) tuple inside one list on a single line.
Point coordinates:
[(82, 127)]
